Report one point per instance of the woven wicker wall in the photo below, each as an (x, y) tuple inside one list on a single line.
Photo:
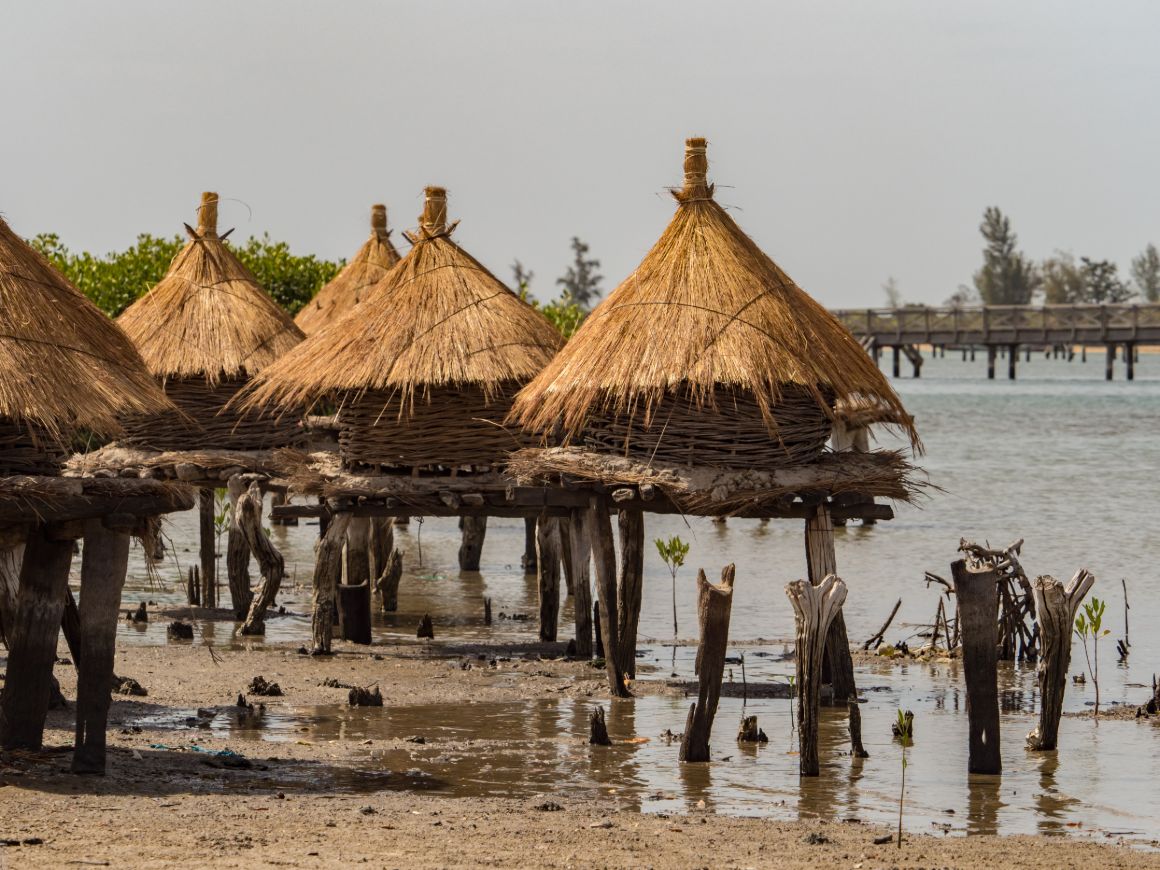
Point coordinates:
[(731, 435), (209, 427), (446, 427), (28, 451)]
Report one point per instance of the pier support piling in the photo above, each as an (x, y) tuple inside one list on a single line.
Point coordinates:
[(991, 351), (1012, 358), (1109, 362), (896, 360), (1130, 360)]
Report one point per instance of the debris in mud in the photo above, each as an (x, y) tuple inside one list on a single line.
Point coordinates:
[(668, 736), (260, 686), (332, 683), (365, 697), (597, 729), (128, 686), (813, 838), (515, 617), (138, 615), (416, 738), (243, 704), (27, 841), (368, 811), (884, 839), (549, 807), (426, 628), (748, 732), (180, 630)]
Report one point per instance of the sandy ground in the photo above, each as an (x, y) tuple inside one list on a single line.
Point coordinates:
[(294, 808)]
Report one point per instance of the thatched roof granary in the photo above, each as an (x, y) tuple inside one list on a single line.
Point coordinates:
[(66, 371), (707, 354), (425, 368), (372, 262), (203, 331)]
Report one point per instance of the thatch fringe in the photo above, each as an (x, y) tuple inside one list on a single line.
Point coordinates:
[(350, 286), (705, 309)]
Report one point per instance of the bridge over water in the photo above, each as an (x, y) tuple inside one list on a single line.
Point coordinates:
[(1006, 328)]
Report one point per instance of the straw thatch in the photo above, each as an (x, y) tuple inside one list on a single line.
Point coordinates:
[(208, 317), (439, 336), (705, 316), (65, 368), (349, 287)]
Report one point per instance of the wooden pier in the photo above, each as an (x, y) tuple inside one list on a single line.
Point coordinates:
[(1004, 329)]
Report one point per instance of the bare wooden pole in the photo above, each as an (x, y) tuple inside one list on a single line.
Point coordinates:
[(473, 530), (714, 605), (548, 573), (529, 558), (580, 563), (104, 562), (327, 568), (630, 587), (814, 609), (208, 551), (382, 544), (821, 561), (32, 642), (237, 554), (354, 596), (978, 600), (598, 529), (1055, 608), (248, 516)]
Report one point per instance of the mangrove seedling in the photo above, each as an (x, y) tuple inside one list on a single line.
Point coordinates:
[(673, 552), (903, 729), (1089, 624)]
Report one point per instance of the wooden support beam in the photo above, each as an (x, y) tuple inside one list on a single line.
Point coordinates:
[(629, 587), (248, 516), (474, 530), (528, 560), (11, 558), (32, 643), (548, 558), (327, 570), (714, 604), (978, 600), (237, 554), (579, 562), (1055, 610), (598, 529), (104, 561), (358, 551), (207, 548)]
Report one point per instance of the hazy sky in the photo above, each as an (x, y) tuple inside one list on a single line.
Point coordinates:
[(854, 140)]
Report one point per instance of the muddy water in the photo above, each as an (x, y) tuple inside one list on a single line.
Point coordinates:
[(1059, 457)]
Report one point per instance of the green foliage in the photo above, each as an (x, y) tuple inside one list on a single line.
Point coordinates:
[(291, 279), (1063, 282), (581, 282), (1102, 283), (904, 731), (562, 313), (1007, 276), (1146, 273), (1089, 625), (673, 552)]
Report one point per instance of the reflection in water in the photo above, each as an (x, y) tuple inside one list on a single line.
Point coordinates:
[(1051, 804), (983, 803)]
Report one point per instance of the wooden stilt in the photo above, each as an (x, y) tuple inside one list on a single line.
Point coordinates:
[(32, 641), (629, 587), (991, 350), (382, 544), (529, 558), (821, 561), (70, 626), (1130, 361), (714, 604), (599, 531), (1109, 362), (978, 602), (1055, 610), (579, 565), (11, 558), (548, 574), (471, 549), (208, 547), (327, 568), (896, 359), (237, 554), (103, 564), (354, 595), (358, 554), (248, 517), (1012, 357), (814, 609)]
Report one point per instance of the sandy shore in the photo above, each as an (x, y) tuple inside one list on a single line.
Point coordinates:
[(303, 804)]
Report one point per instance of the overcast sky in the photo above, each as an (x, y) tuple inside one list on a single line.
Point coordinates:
[(853, 140)]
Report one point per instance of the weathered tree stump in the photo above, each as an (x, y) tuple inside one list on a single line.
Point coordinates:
[(103, 564), (32, 638), (1055, 608), (548, 558), (248, 518), (528, 560), (474, 530), (237, 554), (578, 564), (486, 611), (714, 605), (598, 529), (814, 610), (327, 569), (354, 596), (748, 732), (978, 599), (208, 547), (426, 628), (629, 587), (598, 729)]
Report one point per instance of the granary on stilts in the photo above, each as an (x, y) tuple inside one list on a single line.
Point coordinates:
[(203, 331), (67, 375), (421, 374), (706, 384), (350, 286)]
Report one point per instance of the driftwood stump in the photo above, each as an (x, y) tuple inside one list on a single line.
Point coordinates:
[(548, 558), (578, 564), (248, 518), (103, 564), (814, 610), (598, 728), (629, 587), (977, 593), (473, 530), (208, 547), (598, 529), (32, 640), (714, 605), (238, 554), (327, 568), (1055, 608), (426, 628)]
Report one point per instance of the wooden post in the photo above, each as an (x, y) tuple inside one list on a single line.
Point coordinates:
[(237, 554), (978, 600), (11, 558), (471, 549), (1012, 358), (1110, 362), (897, 360), (579, 564), (990, 362), (1055, 610), (714, 604), (1130, 360), (382, 544), (208, 553), (327, 568), (814, 609), (548, 574), (354, 595), (248, 517), (598, 529), (1027, 355), (630, 587), (70, 626), (529, 558), (358, 553), (103, 564), (32, 641)]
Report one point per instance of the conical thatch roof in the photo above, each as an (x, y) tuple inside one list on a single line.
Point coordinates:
[(208, 317), (373, 260), (438, 319), (705, 311), (64, 366)]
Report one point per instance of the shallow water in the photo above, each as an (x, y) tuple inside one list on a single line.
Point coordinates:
[(1059, 457)]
